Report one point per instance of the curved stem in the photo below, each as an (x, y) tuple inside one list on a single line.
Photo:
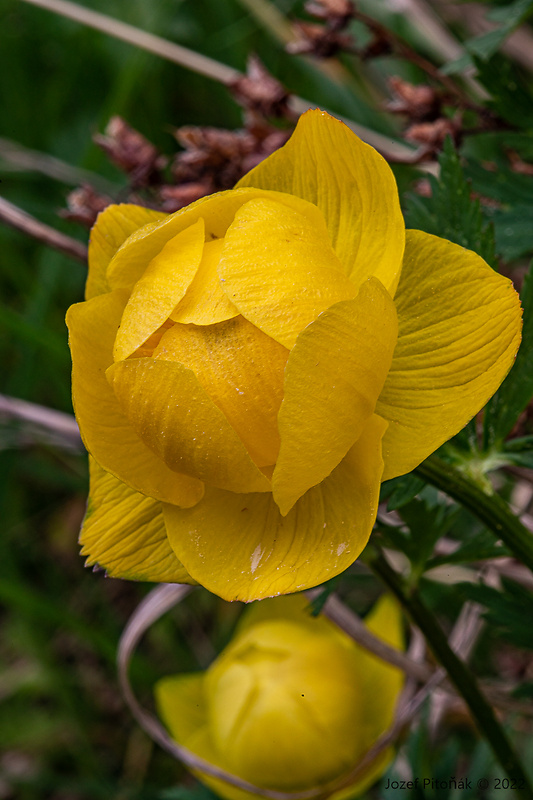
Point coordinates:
[(490, 509), (458, 672)]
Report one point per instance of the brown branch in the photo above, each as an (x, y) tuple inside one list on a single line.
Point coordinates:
[(404, 50), (16, 218)]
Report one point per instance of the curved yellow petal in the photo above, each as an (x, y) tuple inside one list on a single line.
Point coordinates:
[(333, 378), (181, 704), (273, 717), (124, 532), (459, 330), (241, 369), (111, 229), (278, 267), (353, 186), (106, 432), (173, 415), (205, 303), (217, 210), (241, 548), (381, 682), (163, 284)]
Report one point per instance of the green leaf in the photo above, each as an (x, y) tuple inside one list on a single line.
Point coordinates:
[(512, 98), (425, 522), (399, 491), (516, 391), (479, 547), (196, 792), (486, 44), (509, 612), (451, 212), (514, 195)]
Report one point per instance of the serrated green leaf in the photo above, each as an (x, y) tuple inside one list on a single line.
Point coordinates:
[(424, 523), (451, 212), (479, 548), (509, 611), (399, 491), (516, 391), (512, 14), (486, 44), (512, 98), (514, 192)]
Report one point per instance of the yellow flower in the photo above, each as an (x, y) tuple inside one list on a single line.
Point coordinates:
[(291, 704), (247, 370)]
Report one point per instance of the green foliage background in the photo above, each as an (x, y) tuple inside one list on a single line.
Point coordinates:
[(64, 731)]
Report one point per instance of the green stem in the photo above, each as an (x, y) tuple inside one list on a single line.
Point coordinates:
[(458, 672), (490, 509)]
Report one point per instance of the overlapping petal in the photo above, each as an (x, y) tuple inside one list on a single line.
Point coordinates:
[(205, 303), (217, 210), (351, 184), (107, 433), (381, 682), (252, 679), (335, 373), (175, 417), (163, 284), (459, 330), (271, 680), (113, 226), (241, 548), (125, 532), (241, 370), (279, 269)]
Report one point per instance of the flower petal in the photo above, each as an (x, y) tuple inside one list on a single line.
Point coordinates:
[(353, 186), (241, 548), (124, 532), (106, 432), (333, 378), (277, 266), (241, 369), (459, 330), (163, 284), (205, 303), (111, 229), (218, 210), (173, 415), (381, 682), (181, 704)]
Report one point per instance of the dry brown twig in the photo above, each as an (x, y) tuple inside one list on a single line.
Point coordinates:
[(13, 216)]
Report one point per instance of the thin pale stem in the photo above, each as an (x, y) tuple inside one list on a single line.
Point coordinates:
[(201, 64), (16, 218)]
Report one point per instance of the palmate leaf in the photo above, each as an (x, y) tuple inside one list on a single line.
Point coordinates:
[(509, 611), (512, 98), (516, 391), (399, 491), (424, 523), (514, 195), (511, 16), (478, 547), (451, 212)]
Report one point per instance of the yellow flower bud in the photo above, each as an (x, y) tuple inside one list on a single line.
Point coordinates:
[(291, 704), (247, 370)]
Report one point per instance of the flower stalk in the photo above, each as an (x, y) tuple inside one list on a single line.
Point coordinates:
[(490, 509), (458, 672)]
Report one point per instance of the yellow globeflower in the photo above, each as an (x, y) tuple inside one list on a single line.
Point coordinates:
[(291, 704), (247, 370)]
